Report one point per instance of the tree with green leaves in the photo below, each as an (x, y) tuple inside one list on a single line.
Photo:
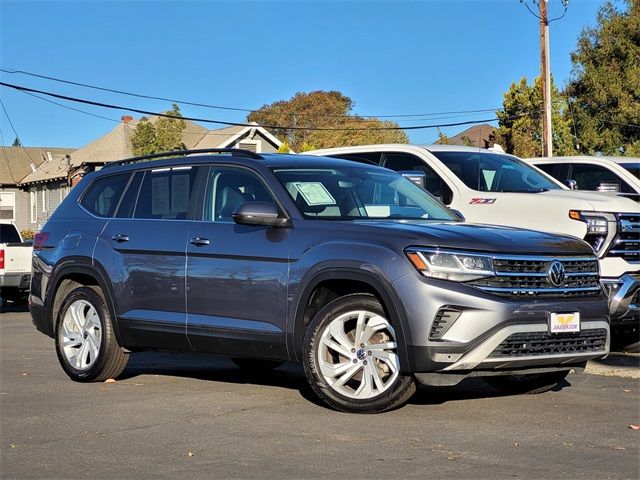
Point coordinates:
[(443, 138), (604, 92), (318, 110), (162, 134), (16, 143), (520, 121)]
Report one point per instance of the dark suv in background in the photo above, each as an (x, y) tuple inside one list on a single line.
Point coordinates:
[(350, 269)]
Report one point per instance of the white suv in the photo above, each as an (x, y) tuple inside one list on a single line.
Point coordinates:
[(500, 189), (602, 174)]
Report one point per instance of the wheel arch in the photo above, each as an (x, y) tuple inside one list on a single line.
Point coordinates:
[(78, 272), (340, 282)]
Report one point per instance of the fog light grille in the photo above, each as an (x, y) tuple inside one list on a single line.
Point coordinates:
[(443, 320)]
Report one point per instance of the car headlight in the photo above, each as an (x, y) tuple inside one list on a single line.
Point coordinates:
[(597, 226), (456, 266)]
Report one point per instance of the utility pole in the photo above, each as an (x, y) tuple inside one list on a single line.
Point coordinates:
[(545, 79)]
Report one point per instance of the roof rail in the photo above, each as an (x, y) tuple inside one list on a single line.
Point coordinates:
[(233, 151)]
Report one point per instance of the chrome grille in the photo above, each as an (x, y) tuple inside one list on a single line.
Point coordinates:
[(626, 244), (528, 276), (542, 343)]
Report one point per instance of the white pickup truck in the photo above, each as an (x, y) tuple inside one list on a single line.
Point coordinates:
[(499, 189), (602, 174), (15, 263)]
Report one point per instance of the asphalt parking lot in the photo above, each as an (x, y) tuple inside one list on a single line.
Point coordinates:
[(195, 416)]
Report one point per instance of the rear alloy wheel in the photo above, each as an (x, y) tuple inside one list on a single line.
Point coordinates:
[(351, 358), (85, 341), (531, 384)]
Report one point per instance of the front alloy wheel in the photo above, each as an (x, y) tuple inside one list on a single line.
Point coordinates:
[(351, 357)]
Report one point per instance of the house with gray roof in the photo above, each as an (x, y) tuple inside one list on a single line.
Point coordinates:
[(33, 181)]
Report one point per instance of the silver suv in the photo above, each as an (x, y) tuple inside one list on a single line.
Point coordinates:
[(350, 269)]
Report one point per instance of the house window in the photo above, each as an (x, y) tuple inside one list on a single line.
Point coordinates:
[(251, 145), (64, 191), (33, 205), (43, 199), (7, 205)]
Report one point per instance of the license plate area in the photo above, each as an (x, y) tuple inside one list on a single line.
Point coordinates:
[(567, 322)]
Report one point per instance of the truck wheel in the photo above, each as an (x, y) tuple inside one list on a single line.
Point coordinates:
[(351, 357), (85, 342), (531, 384), (256, 365)]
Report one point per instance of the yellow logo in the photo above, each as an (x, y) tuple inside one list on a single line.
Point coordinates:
[(565, 319)]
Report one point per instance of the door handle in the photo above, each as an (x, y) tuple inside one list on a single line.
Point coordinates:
[(199, 242), (120, 238)]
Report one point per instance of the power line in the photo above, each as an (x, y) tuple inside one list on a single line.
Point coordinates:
[(207, 133), (238, 124), (565, 4), (236, 109), (14, 130)]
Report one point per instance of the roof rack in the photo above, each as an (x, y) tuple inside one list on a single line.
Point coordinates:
[(233, 151)]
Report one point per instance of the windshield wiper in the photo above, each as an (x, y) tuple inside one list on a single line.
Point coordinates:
[(536, 190)]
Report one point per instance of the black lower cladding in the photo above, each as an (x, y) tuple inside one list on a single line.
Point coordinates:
[(527, 344)]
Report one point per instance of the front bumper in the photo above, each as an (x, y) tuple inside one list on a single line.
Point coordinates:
[(624, 298), (496, 334)]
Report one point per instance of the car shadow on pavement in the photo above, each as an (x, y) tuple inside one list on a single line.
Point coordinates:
[(221, 369), (11, 307)]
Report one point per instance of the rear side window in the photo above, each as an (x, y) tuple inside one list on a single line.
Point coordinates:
[(166, 193), (103, 195), (8, 233), (434, 184)]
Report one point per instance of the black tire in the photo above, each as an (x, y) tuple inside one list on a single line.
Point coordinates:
[(396, 393), (625, 339), (256, 365), (111, 359), (529, 384)]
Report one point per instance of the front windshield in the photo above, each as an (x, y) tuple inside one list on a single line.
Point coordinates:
[(634, 168), (492, 172), (351, 193)]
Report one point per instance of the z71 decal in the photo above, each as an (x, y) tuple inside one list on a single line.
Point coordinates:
[(482, 201)]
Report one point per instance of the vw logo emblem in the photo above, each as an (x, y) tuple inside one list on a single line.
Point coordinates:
[(555, 274)]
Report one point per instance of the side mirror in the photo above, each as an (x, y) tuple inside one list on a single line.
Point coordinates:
[(416, 176), (459, 214), (259, 213), (572, 184)]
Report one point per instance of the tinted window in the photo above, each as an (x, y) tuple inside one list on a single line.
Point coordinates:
[(128, 202), (595, 177), (492, 172), (8, 233), (227, 189), (433, 182), (634, 168), (101, 198), (166, 193)]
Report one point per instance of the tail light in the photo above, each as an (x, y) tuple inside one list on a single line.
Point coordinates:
[(1, 259), (39, 240)]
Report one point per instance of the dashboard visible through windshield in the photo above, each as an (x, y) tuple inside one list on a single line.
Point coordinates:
[(348, 193)]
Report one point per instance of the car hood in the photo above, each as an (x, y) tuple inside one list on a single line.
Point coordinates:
[(484, 238), (594, 201)]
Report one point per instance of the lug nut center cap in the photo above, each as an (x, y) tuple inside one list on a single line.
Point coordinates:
[(361, 354)]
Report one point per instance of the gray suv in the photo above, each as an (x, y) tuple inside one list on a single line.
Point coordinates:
[(350, 269)]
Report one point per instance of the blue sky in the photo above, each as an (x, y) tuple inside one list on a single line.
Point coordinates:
[(390, 57)]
